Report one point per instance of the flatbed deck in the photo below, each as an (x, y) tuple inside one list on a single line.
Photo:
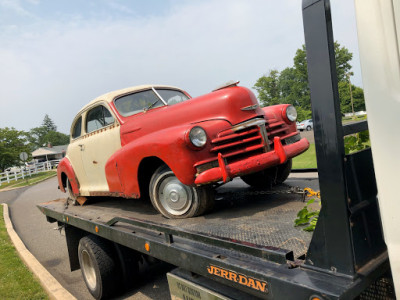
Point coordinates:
[(241, 214)]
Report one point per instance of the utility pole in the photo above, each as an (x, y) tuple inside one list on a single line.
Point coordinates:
[(351, 91)]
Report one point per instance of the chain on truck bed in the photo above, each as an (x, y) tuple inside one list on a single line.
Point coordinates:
[(306, 192)]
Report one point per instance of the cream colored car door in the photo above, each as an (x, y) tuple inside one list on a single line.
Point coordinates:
[(101, 141), (74, 155)]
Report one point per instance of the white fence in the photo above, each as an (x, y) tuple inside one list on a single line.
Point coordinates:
[(28, 171)]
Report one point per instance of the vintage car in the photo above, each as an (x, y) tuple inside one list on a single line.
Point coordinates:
[(157, 142)]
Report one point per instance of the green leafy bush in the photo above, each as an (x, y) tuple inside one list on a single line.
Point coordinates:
[(307, 216), (356, 142)]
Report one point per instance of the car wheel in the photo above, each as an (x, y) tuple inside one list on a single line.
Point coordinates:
[(175, 200), (269, 177), (308, 128), (99, 269), (71, 194)]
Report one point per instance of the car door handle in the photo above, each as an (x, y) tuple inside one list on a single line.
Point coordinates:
[(82, 147)]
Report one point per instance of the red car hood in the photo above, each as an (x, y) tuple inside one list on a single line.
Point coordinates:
[(233, 104)]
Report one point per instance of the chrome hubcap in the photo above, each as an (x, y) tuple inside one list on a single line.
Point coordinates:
[(88, 270), (175, 197)]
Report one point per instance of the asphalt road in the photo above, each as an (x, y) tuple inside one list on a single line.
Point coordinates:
[(47, 244), (309, 135)]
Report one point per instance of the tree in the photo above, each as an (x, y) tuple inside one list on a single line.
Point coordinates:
[(36, 137), (303, 114), (345, 99), (49, 124), (291, 84), (46, 134), (56, 138), (300, 64), (343, 57), (40, 137), (301, 88), (267, 87), (12, 143), (294, 89)]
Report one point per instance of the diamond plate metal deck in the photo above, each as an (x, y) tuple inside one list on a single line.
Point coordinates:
[(241, 213)]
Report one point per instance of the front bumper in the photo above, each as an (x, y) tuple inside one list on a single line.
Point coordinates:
[(279, 155)]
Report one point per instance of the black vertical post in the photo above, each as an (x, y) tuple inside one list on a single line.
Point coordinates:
[(331, 247)]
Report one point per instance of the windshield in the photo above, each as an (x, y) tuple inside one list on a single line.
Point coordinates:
[(138, 102), (172, 97), (142, 101)]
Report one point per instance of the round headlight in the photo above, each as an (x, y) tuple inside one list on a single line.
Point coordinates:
[(291, 113), (198, 136)]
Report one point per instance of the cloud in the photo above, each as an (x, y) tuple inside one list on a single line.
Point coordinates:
[(16, 7), (119, 7), (56, 67)]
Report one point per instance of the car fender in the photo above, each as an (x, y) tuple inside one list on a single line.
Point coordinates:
[(277, 113), (65, 167), (122, 167)]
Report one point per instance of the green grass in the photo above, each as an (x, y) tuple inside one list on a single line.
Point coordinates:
[(306, 160), (28, 180), (16, 281), (351, 118), (309, 160)]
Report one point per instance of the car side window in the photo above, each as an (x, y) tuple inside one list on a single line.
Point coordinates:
[(108, 118), (76, 132), (97, 118)]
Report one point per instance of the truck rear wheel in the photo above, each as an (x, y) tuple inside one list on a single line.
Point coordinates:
[(175, 200), (269, 177), (98, 266)]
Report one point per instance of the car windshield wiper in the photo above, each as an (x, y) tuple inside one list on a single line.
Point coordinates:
[(151, 105)]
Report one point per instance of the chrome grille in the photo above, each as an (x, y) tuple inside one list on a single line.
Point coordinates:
[(278, 128), (275, 128), (242, 141)]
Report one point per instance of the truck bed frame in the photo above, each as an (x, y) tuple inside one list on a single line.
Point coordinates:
[(248, 241)]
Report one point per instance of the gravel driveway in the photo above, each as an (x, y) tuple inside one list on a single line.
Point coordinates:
[(309, 135)]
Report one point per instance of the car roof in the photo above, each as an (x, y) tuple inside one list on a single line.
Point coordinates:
[(109, 97)]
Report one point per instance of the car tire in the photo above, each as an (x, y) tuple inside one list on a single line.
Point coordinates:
[(71, 194), (269, 177), (98, 266), (308, 128), (175, 200)]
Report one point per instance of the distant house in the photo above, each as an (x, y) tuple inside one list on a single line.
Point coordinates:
[(49, 153)]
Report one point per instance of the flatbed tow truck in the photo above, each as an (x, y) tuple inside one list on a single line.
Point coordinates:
[(248, 247)]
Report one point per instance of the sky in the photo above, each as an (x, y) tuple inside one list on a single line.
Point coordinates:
[(56, 56)]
